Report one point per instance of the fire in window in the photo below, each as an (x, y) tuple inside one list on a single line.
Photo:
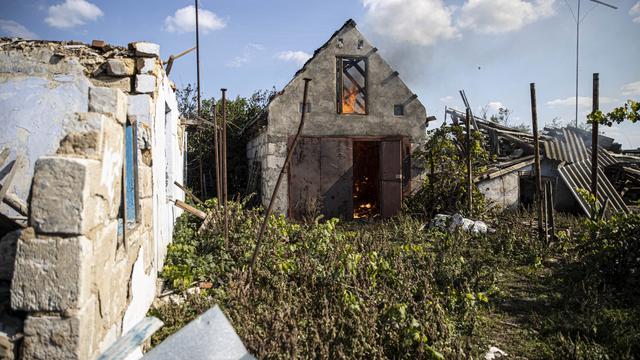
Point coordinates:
[(351, 85)]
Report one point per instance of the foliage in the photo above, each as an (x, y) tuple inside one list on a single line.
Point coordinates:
[(200, 140), (331, 290), (443, 156), (630, 111)]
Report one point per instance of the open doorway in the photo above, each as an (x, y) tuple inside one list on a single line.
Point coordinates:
[(366, 176)]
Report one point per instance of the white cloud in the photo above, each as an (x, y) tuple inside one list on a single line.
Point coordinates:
[(494, 106), (184, 20), (72, 13), (13, 29), (583, 101), (248, 54), (631, 89), (299, 57), (446, 99), (420, 22), (635, 11), (501, 16)]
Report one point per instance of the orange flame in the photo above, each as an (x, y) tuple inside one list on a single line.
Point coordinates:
[(349, 100)]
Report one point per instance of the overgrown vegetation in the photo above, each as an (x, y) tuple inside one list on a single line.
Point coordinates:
[(330, 290), (444, 188)]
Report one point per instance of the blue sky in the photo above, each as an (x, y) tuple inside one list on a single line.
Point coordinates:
[(491, 48)]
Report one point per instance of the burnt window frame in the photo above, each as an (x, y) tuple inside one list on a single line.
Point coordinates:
[(339, 83)]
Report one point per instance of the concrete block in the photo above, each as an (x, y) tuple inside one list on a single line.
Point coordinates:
[(109, 101), (51, 273), (8, 244), (146, 212), (139, 105), (122, 83), (59, 195), (10, 330), (56, 337), (146, 65), (145, 84), (83, 135), (121, 67), (145, 49), (145, 181)]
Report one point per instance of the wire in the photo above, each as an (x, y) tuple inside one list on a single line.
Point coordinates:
[(587, 13), (570, 9)]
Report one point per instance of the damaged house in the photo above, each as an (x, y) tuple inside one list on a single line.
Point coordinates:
[(565, 163), (89, 149), (353, 159)]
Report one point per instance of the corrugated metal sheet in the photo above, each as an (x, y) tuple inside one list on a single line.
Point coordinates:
[(578, 176), (571, 150), (604, 157)]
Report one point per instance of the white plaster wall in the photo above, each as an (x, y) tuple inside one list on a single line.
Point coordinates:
[(167, 167), (36, 97)]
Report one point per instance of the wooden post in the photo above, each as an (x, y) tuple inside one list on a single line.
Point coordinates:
[(279, 181), (551, 210), (224, 167), (469, 170), (594, 141), (536, 149)]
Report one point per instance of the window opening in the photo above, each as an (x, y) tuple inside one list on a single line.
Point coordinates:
[(351, 85)]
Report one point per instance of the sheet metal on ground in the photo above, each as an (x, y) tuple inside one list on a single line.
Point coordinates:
[(578, 175)]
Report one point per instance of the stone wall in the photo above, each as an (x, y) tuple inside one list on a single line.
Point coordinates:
[(82, 276)]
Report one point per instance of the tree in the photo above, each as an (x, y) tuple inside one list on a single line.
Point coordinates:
[(200, 148)]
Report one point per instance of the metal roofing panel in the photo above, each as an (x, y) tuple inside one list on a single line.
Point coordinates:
[(578, 175), (571, 150)]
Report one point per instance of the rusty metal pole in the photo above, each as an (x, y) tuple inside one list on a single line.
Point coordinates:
[(216, 146), (594, 139), (224, 166), (536, 147), (469, 170), (263, 228), (198, 59)]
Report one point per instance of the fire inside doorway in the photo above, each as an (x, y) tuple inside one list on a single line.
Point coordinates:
[(366, 171), (347, 178)]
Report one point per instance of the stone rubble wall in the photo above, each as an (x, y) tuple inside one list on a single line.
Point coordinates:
[(79, 280)]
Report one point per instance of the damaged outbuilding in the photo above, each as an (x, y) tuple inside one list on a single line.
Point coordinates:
[(353, 159)]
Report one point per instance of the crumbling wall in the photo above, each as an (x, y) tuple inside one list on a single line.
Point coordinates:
[(503, 191), (82, 275), (385, 89)]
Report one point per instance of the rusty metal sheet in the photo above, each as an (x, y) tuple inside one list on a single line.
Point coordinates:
[(336, 177), (304, 177), (390, 178)]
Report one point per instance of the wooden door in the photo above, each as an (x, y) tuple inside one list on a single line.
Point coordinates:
[(390, 178)]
